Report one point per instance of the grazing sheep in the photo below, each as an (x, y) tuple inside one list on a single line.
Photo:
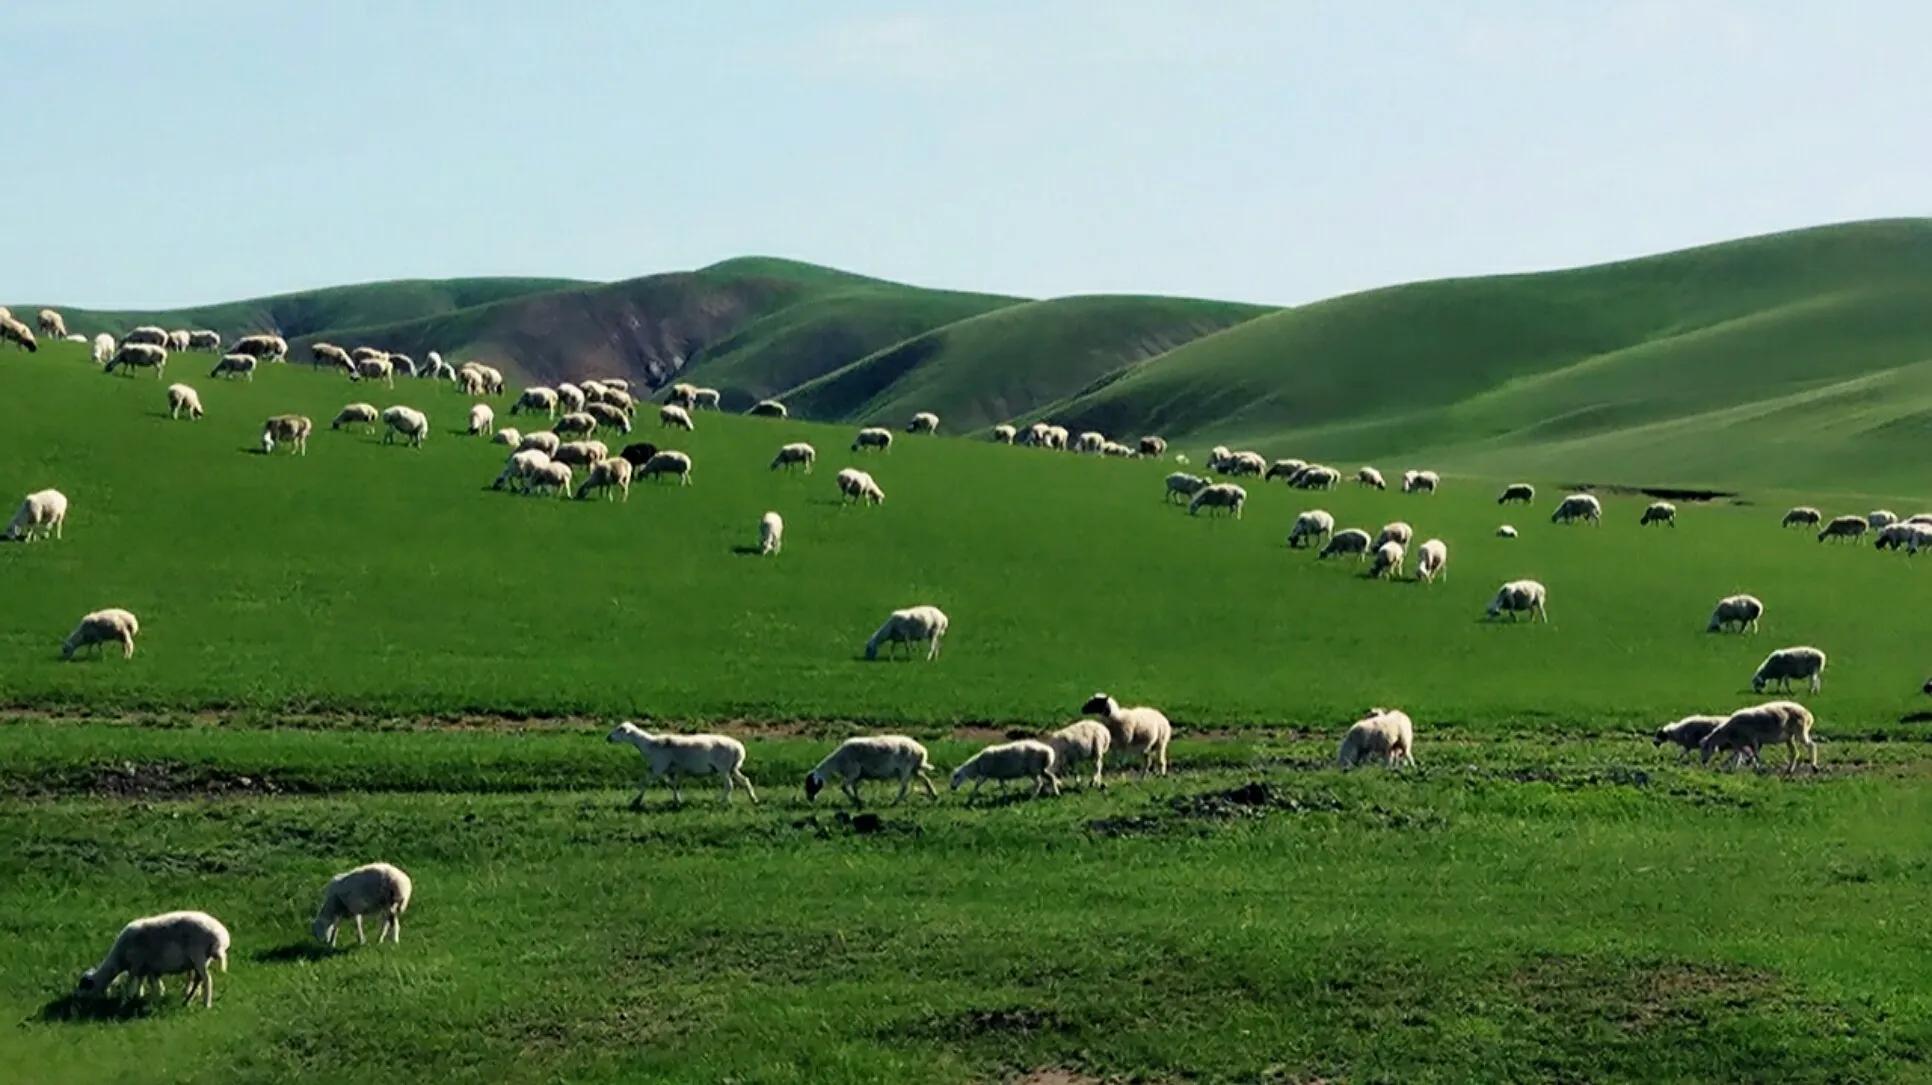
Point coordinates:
[(1433, 562), (873, 437), (672, 416), (1025, 759), (1153, 446), (1385, 733), (134, 356), (1395, 531), (923, 422), (1688, 733), (670, 756), (472, 382), (607, 474), (638, 454), (482, 419), (1315, 477), (181, 398), (289, 428), (608, 416), (42, 512), (552, 478), (1004, 434), (1519, 596), (767, 408), (1752, 729), (357, 414), (101, 627), (913, 625), (798, 453), (103, 348), (1880, 519), (1351, 541), (1659, 512), (1506, 531), (163, 945), (1849, 528), (1369, 476), (1079, 743), (1420, 482), (487, 379), (374, 889), (51, 324), (375, 369), (508, 435), (1118, 451), (403, 363), (857, 485), (1310, 526), (235, 365), (1183, 485), (683, 395), (1033, 435), (406, 422), (204, 340), (676, 464), (269, 348), (1742, 611), (1056, 437), (575, 424), (581, 453), (570, 397), (1578, 507), (13, 331), (1908, 535), (149, 335), (771, 534), (1802, 516), (178, 341), (331, 355), (521, 468), (1785, 664), (364, 354), (1090, 441), (704, 399), (614, 396), (536, 399), (1517, 491), (877, 757), (1388, 561), (1221, 495), (435, 368), (1237, 464), (1139, 731), (541, 439)]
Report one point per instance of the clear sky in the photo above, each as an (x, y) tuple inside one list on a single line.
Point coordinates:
[(206, 150)]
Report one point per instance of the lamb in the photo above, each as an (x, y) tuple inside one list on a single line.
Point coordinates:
[(332, 355), (553, 477), (670, 756), (1369, 476), (857, 485), (771, 534), (638, 453), (923, 422), (671, 416), (1004, 434), (521, 468), (1519, 596), (407, 423), (1388, 561), (542, 439), (291, 428), (508, 435), (873, 437), (269, 348), (795, 454), (1578, 507), (1689, 733), (1659, 512), (1352, 541), (1221, 495), (100, 627), (163, 945), (1880, 519), (609, 416), (178, 341), (1434, 561), (767, 408), (482, 419), (51, 324), (1420, 482), (204, 340), (1077, 744), (878, 757), (375, 369), (356, 414), (1182, 484), (536, 399), (1026, 759), (1752, 729), (1395, 531), (13, 331), (43, 512), (1385, 733), (1506, 531), (374, 889), (1785, 664), (607, 475), (181, 398), (103, 348), (148, 335), (570, 397), (235, 365), (1153, 446), (1843, 527), (1517, 491), (134, 356), (1310, 526), (676, 464), (1802, 516), (575, 424), (913, 625), (1740, 610), (1138, 731)]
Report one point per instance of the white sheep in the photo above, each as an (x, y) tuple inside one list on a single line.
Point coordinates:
[(101, 627), (1802, 516), (1506, 531), (1350, 541), (103, 348), (406, 422), (609, 416), (795, 454), (132, 356), (508, 435), (1659, 512), (1433, 562), (543, 440), (1688, 733), (521, 468), (335, 356), (163, 945), (581, 453), (675, 464), (147, 334), (357, 414), (877, 757), (575, 424), (1079, 743), (1004, 434), (178, 341), (1742, 611), (913, 625), (42, 513), (51, 324), (570, 397), (1395, 531), (205, 340), (552, 477), (1139, 731), (1578, 507), (1785, 664), (1369, 476), (923, 422), (1519, 596), (1388, 560), (705, 399), (857, 485), (1151, 445), (267, 347), (1056, 437), (1221, 495), (375, 369), (182, 398), (1880, 519), (235, 365), (1091, 441), (1243, 463), (1849, 528), (1315, 476), (1183, 485), (873, 437), (1752, 729), (1385, 733), (671, 756), (373, 889), (1025, 759), (674, 417), (21, 336), (1310, 526), (292, 429), (1420, 482), (771, 534), (607, 474), (482, 419), (767, 408)]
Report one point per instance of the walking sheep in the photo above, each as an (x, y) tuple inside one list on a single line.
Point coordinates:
[(608, 474), (204, 340), (1310, 527), (913, 625), (1026, 759), (608, 416), (675, 464), (1752, 729), (1742, 611), (795, 454), (1385, 733), (1849, 528), (234, 365), (873, 437), (1802, 516), (1578, 507), (1079, 743), (1880, 519), (771, 534), (1139, 731), (41, 513), (670, 756), (878, 757), (520, 469), (374, 889), (331, 355), (1688, 733), (1183, 485), (101, 627), (1221, 495), (163, 945), (1659, 512), (1519, 596), (181, 398), (1786, 664)]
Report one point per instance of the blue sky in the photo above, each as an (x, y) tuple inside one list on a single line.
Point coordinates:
[(212, 149)]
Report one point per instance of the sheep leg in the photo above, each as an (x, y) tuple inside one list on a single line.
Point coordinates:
[(1048, 782), (207, 984), (362, 939), (905, 784), (745, 782), (127, 646), (677, 796), (395, 926), (852, 789)]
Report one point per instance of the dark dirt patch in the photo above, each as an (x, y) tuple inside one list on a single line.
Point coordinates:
[(150, 780), (305, 950), (864, 823), (1641, 996), (984, 1024), (82, 1008), (1251, 801)]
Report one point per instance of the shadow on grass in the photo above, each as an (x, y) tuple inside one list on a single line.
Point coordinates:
[(747, 551), (304, 950), (78, 1007)]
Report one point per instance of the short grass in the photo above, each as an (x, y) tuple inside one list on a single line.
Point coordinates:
[(374, 579)]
